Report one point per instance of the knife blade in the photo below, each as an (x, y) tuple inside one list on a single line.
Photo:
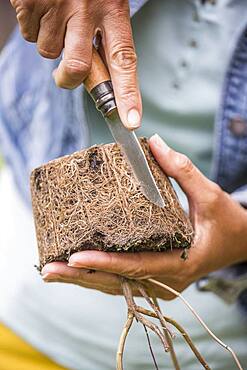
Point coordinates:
[(136, 157), (99, 86)]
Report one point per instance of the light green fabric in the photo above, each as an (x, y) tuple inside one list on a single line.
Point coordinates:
[(78, 327), (183, 49)]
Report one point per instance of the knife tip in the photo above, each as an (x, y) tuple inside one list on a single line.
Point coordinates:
[(160, 202), (157, 200)]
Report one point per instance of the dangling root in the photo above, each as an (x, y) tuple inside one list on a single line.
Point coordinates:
[(127, 290), (177, 294), (167, 332), (165, 335), (122, 341), (182, 331)]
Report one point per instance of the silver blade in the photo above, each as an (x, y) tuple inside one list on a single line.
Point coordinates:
[(136, 157)]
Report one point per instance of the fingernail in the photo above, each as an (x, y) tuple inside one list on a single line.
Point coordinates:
[(46, 270), (156, 139), (74, 264), (79, 261), (134, 118), (49, 277)]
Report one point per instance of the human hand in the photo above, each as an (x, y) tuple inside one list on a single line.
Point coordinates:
[(70, 26), (220, 226), (7, 22)]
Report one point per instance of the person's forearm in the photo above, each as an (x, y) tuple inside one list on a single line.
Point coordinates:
[(7, 22)]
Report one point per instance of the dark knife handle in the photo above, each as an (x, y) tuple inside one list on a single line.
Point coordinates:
[(99, 86)]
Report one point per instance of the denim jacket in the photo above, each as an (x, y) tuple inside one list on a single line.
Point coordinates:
[(39, 122)]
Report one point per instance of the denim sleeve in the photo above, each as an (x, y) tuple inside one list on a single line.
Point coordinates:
[(135, 5), (38, 121), (230, 162)]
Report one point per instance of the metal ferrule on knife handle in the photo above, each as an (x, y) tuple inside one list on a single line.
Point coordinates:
[(98, 84), (104, 98)]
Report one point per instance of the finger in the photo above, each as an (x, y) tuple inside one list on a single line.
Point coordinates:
[(76, 63), (103, 281), (28, 15), (180, 167), (135, 265), (103, 289), (122, 64), (52, 27), (59, 271)]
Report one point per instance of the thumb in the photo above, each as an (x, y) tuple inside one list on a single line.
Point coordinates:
[(176, 165)]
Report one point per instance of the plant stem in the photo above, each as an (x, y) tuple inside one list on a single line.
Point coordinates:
[(151, 349), (127, 290), (162, 320), (122, 340), (182, 331)]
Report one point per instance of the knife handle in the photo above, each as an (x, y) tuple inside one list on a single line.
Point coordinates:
[(98, 72), (99, 86)]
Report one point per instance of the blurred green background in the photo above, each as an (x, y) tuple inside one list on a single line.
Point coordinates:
[(1, 162)]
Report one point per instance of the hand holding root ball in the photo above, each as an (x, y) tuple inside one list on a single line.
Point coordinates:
[(220, 226), (73, 24)]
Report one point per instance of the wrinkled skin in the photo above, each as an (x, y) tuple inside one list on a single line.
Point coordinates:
[(69, 26), (7, 22), (220, 226)]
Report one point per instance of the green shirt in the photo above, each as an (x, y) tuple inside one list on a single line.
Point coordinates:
[(182, 49), (179, 103)]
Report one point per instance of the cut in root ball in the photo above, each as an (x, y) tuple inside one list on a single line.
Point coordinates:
[(91, 200)]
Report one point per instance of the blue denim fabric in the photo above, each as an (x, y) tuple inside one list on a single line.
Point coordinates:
[(230, 160), (39, 122), (230, 166)]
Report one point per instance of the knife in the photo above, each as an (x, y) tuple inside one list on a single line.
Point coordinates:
[(99, 86)]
